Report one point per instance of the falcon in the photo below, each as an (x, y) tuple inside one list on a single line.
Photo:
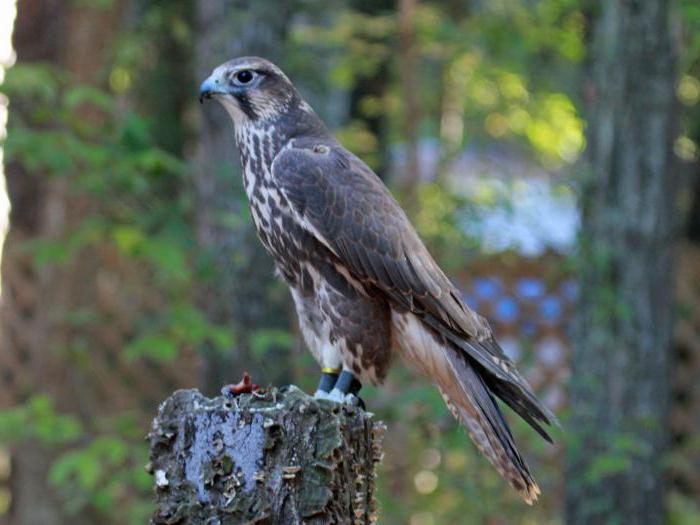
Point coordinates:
[(362, 281)]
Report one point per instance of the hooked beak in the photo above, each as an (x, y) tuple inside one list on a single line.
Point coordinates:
[(209, 88)]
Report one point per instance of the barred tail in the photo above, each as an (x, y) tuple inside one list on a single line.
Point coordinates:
[(472, 403), (470, 392)]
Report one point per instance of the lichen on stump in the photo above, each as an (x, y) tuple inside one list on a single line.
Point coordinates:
[(269, 457)]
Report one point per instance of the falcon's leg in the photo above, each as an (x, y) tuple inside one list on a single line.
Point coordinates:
[(329, 377), (346, 389)]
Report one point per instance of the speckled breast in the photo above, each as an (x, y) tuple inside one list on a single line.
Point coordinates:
[(272, 216)]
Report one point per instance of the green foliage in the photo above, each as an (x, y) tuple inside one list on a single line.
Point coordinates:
[(101, 474), (37, 419), (480, 77), (262, 340), (62, 132), (688, 91), (98, 470), (432, 474), (683, 510), (111, 156), (180, 325), (440, 220)]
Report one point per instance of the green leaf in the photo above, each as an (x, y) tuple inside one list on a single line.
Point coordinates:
[(262, 340), (83, 94), (155, 346), (606, 465)]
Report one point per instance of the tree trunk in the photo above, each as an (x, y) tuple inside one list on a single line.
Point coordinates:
[(238, 265), (409, 93), (274, 457), (620, 382), (36, 301)]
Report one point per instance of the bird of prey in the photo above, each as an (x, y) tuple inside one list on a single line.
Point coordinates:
[(362, 281)]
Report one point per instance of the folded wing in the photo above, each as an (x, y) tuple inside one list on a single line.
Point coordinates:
[(348, 209)]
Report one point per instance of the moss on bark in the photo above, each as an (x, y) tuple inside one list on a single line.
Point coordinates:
[(273, 457)]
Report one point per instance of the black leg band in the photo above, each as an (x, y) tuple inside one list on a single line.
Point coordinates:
[(347, 383), (328, 381)]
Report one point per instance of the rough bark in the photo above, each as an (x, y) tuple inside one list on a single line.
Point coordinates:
[(274, 457), (622, 348)]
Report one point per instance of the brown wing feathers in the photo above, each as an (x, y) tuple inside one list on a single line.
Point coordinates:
[(358, 220)]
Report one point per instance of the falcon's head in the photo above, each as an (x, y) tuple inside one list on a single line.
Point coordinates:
[(251, 89)]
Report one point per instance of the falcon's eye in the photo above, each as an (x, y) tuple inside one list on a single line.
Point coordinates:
[(243, 77)]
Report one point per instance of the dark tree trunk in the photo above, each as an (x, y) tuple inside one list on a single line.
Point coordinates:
[(165, 87), (37, 300), (685, 418), (373, 85), (693, 222), (238, 267), (409, 86), (279, 457), (620, 383)]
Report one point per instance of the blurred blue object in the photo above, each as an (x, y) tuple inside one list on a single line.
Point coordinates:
[(528, 328), (551, 308), (551, 351), (530, 288), (507, 309), (487, 287)]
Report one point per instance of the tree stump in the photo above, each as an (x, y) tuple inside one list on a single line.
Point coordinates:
[(270, 457)]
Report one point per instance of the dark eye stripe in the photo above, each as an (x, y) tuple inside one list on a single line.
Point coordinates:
[(246, 106)]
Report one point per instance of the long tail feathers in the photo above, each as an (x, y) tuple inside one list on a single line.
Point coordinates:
[(470, 386), (471, 402)]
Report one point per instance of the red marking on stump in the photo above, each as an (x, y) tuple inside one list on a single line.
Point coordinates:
[(245, 386)]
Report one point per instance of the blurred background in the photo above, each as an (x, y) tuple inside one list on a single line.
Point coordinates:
[(546, 150)]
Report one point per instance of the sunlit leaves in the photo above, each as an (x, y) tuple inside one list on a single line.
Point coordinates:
[(426, 481), (556, 130), (690, 12), (507, 107), (357, 138), (156, 346), (120, 79), (362, 40), (686, 149), (438, 221), (688, 90)]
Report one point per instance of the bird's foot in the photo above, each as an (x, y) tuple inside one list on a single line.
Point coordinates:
[(345, 399), (345, 390), (322, 394)]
